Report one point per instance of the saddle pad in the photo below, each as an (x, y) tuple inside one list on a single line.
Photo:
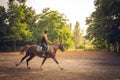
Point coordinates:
[(39, 48)]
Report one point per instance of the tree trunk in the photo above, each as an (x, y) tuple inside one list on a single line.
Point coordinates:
[(108, 46), (14, 45), (114, 47), (118, 47)]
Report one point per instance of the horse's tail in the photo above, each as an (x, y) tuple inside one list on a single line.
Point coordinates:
[(23, 49)]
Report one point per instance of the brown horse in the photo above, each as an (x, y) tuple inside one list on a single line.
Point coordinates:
[(32, 52)]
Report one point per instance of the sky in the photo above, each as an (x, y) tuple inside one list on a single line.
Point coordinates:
[(3, 3), (74, 10)]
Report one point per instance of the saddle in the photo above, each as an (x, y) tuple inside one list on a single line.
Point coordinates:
[(39, 48)]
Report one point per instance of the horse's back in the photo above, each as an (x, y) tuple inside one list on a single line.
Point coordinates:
[(33, 50)]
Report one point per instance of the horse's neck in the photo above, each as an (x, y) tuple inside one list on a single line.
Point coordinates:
[(55, 47)]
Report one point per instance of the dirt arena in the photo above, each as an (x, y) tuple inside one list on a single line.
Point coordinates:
[(78, 65)]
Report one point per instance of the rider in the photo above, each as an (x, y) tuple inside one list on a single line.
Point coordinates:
[(44, 42)]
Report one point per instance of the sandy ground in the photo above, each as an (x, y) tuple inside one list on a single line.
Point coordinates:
[(78, 65)]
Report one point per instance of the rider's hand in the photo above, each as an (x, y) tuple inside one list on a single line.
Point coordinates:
[(50, 42)]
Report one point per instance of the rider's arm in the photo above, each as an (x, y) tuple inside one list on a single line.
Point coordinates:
[(46, 38)]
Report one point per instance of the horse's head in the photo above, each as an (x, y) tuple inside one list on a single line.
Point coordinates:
[(61, 47)]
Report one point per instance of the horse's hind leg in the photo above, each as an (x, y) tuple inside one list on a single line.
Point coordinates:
[(22, 60), (31, 56)]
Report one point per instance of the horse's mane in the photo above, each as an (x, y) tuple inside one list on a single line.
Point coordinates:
[(56, 43)]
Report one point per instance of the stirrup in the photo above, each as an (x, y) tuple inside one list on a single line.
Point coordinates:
[(44, 54)]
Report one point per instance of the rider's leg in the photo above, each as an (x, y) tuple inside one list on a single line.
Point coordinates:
[(45, 47)]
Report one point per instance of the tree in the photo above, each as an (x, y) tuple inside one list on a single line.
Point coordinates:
[(3, 27), (77, 34), (20, 25), (104, 23), (19, 22), (3, 24), (56, 24), (15, 24)]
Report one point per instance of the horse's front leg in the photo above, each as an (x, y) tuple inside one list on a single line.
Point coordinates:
[(43, 63), (57, 63)]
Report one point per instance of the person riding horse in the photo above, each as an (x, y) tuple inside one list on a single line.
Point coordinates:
[(31, 51), (44, 42)]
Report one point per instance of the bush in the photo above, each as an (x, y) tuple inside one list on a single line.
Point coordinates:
[(81, 46)]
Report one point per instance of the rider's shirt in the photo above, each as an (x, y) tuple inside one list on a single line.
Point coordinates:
[(44, 40)]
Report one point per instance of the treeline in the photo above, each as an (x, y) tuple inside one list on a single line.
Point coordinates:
[(20, 25), (104, 25)]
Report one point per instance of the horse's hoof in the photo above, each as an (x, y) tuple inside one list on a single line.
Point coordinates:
[(41, 69), (28, 67), (61, 68), (17, 64)]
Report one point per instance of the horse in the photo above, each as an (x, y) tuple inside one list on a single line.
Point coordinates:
[(31, 51)]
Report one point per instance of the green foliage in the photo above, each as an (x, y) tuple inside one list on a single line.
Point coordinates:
[(56, 24), (3, 24), (81, 46), (77, 34), (104, 26), (16, 24), (19, 25)]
